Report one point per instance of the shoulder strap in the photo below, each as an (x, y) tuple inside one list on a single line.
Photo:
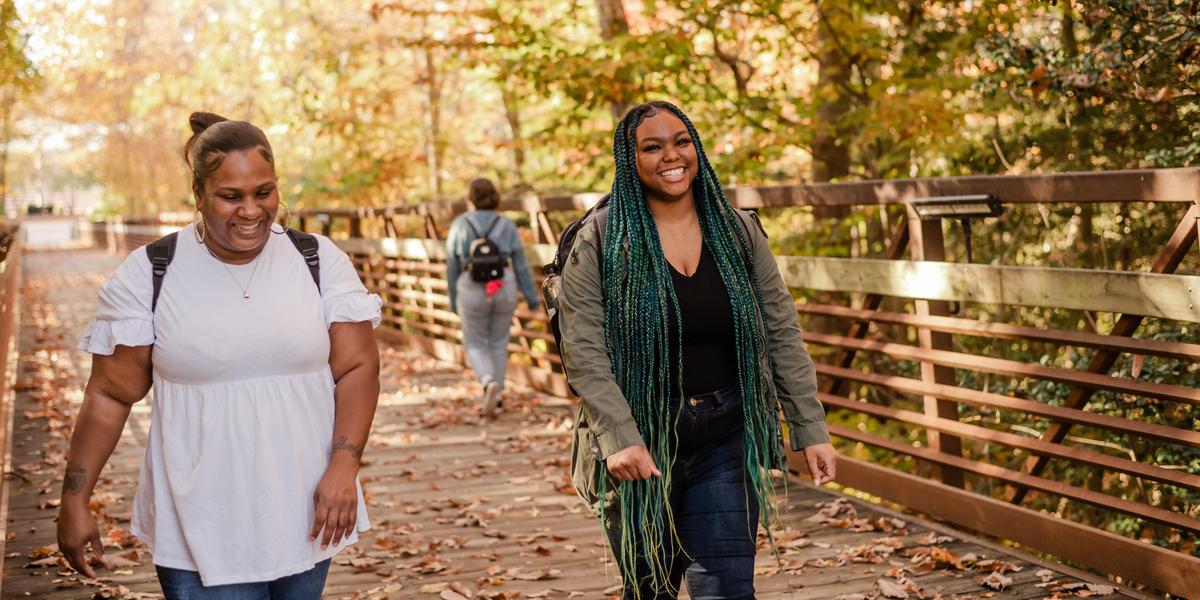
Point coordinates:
[(748, 251), (471, 224), (161, 252), (307, 245), (600, 222), (487, 235)]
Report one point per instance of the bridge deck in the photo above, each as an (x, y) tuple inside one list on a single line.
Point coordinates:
[(459, 509)]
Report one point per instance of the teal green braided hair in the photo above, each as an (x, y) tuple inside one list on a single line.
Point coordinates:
[(640, 307)]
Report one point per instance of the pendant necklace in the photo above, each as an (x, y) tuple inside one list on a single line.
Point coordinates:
[(245, 288)]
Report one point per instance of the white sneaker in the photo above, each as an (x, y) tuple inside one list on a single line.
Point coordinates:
[(491, 398)]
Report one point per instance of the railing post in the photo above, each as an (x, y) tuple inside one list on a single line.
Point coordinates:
[(431, 230), (542, 223), (389, 224), (926, 243)]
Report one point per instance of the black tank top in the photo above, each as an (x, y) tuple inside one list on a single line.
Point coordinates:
[(709, 355)]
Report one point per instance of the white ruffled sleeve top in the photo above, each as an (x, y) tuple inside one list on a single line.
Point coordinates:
[(243, 408)]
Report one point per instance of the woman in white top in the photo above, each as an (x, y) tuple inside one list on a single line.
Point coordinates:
[(265, 383)]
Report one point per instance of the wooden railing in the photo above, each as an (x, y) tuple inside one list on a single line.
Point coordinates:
[(11, 248), (1028, 454)]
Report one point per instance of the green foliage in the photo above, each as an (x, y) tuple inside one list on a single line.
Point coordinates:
[(18, 79), (1072, 93)]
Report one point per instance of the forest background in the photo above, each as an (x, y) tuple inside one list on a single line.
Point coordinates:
[(384, 102), (378, 103)]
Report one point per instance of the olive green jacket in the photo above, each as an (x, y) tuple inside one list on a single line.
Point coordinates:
[(604, 424)]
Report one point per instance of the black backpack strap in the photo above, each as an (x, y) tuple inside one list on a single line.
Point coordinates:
[(490, 228), (161, 252), (470, 224), (748, 250), (487, 236), (600, 222), (307, 245)]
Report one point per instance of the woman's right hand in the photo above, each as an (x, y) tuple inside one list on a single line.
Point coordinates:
[(77, 528), (632, 464)]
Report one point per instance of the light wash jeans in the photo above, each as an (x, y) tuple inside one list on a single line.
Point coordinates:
[(178, 584), (486, 323)]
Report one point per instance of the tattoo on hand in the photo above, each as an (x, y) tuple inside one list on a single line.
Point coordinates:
[(343, 444), (75, 479)]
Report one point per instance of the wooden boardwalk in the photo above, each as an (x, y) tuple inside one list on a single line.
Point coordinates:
[(460, 509)]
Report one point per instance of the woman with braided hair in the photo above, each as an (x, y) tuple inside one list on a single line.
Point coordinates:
[(681, 339)]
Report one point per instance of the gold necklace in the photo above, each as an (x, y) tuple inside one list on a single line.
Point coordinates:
[(245, 288)]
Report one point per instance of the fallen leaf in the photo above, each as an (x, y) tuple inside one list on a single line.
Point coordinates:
[(996, 581), (890, 589)]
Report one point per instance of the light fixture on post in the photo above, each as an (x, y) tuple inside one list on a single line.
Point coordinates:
[(963, 208)]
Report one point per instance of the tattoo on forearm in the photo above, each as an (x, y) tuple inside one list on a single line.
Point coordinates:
[(343, 444), (75, 479)]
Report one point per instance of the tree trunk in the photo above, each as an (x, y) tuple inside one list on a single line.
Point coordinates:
[(1081, 130), (831, 156), (513, 114), (433, 124), (613, 25), (6, 119)]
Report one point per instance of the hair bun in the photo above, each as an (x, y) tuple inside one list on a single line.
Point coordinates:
[(203, 120)]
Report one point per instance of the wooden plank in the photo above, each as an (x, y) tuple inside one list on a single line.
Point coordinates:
[(1159, 568), (1064, 414), (1174, 393), (10, 273), (1135, 185), (1036, 446), (1004, 331), (1151, 513), (1174, 297)]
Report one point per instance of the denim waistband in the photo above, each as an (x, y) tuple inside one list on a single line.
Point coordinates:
[(725, 393)]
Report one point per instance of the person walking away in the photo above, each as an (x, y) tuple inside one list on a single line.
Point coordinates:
[(485, 265)]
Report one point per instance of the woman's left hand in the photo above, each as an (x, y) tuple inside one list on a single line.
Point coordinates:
[(822, 462), (337, 505)]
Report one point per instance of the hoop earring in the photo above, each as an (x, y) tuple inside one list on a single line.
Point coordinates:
[(285, 224), (200, 230)]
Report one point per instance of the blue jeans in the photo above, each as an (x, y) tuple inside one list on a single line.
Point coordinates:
[(486, 323), (178, 584), (716, 512)]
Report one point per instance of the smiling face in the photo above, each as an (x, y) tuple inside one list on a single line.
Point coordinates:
[(666, 157), (239, 202)]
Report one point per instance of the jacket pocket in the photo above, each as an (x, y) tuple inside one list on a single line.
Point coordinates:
[(587, 467), (584, 465)]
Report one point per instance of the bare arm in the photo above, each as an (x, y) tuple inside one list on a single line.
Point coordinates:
[(354, 361), (116, 383)]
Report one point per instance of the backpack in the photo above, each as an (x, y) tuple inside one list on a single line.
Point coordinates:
[(485, 261), (552, 284), (162, 252)]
